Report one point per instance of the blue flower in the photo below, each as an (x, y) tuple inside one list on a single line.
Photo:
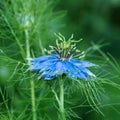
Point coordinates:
[(51, 66), (63, 62)]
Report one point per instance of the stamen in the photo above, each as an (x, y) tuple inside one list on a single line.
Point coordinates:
[(66, 48), (62, 36), (71, 37)]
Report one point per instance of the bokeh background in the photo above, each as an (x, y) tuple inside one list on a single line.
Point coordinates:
[(96, 21)]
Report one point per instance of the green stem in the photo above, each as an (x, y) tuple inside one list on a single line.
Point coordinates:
[(27, 44), (33, 100), (61, 105), (31, 81)]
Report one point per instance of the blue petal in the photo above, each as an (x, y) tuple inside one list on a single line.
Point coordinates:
[(61, 67), (53, 70), (79, 72), (48, 73), (51, 66), (86, 72), (48, 76), (80, 63), (43, 62), (74, 71)]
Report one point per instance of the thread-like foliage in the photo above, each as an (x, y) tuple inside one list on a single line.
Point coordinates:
[(26, 26)]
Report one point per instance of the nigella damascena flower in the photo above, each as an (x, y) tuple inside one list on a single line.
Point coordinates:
[(62, 62)]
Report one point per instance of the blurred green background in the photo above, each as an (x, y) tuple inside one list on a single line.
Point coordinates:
[(95, 21)]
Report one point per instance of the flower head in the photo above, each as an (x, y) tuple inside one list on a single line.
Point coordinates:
[(62, 62)]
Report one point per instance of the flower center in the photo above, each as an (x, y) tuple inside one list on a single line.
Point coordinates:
[(63, 59), (66, 48)]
